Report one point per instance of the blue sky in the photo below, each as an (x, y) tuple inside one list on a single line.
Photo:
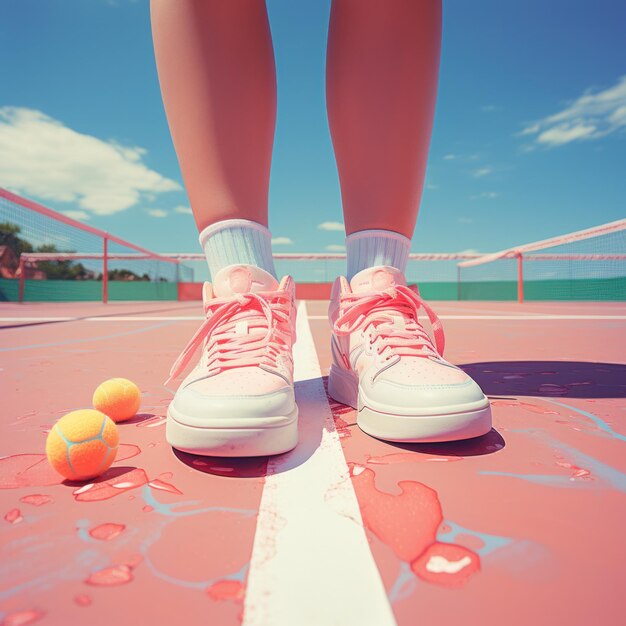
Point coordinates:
[(528, 142)]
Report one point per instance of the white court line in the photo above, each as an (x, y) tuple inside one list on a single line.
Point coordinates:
[(187, 318), (311, 562)]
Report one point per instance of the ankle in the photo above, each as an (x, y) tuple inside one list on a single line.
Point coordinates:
[(237, 242), (370, 248)]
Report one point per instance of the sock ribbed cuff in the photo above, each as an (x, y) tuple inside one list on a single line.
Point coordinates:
[(369, 248), (232, 242)]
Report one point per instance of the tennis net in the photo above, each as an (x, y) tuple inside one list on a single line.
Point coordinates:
[(587, 264), (46, 256)]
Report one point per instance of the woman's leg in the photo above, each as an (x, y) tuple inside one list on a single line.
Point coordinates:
[(216, 69), (382, 70)]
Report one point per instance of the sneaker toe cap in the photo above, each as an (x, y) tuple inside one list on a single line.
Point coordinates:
[(199, 404), (448, 390)]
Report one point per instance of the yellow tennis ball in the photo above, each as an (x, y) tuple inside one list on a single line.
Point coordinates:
[(119, 398), (82, 444)]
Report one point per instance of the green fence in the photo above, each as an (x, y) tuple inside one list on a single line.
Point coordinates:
[(86, 291), (607, 289)]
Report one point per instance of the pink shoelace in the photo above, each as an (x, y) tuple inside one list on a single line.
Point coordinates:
[(263, 315), (359, 310)]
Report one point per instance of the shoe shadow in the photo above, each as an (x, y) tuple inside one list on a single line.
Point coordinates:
[(312, 412), (478, 446), (552, 379)]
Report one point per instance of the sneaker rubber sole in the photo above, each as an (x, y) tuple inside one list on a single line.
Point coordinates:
[(258, 437), (451, 423)]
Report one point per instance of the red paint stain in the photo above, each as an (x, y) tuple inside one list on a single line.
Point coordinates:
[(527, 406), (111, 576), (107, 489), (126, 451), (575, 471), (14, 516), (446, 564), (83, 599), (147, 508), (27, 470), (408, 523), (36, 499), (163, 486), (108, 531), (342, 427), (226, 590), (22, 618)]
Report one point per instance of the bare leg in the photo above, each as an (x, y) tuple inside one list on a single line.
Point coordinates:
[(216, 69), (382, 71)]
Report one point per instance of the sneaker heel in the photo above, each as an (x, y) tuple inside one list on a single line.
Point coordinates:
[(343, 386)]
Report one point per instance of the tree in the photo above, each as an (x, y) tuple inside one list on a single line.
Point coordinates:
[(9, 237), (62, 270)]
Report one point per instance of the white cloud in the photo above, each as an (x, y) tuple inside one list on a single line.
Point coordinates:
[(482, 171), (335, 247), (490, 108), (591, 116), (183, 209), (282, 241), (558, 135), (331, 226), (156, 212), (41, 157), (449, 157), (77, 215), (485, 194)]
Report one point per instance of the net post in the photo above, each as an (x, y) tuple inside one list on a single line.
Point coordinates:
[(22, 279), (105, 270), (520, 277), (458, 282)]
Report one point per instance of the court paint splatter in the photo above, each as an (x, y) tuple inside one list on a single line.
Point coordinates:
[(27, 470), (408, 523), (22, 618), (126, 451), (598, 421), (107, 531), (161, 485), (446, 564), (36, 499), (107, 489), (110, 576), (226, 590), (14, 516), (83, 600)]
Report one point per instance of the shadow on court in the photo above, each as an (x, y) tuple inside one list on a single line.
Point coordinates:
[(550, 379)]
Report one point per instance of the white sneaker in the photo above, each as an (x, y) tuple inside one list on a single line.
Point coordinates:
[(239, 400), (386, 366)]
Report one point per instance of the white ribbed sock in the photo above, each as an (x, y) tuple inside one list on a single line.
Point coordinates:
[(230, 242), (368, 248)]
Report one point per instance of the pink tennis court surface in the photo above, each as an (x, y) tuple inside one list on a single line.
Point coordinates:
[(522, 526)]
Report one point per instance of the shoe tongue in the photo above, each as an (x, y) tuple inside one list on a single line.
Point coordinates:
[(242, 279), (377, 278)]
